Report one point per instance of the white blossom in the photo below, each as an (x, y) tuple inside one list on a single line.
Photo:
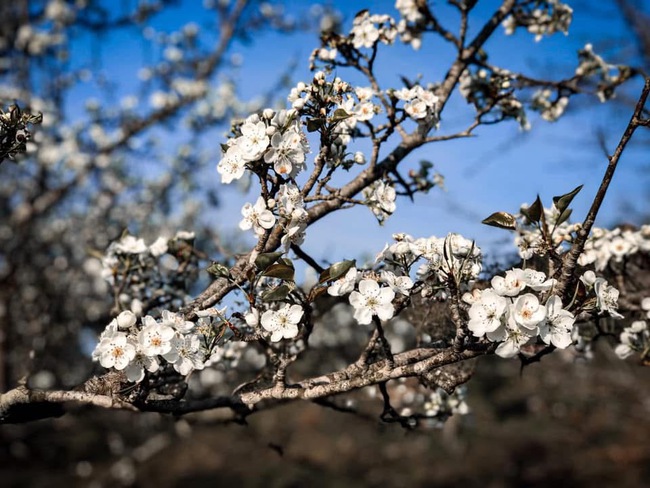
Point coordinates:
[(558, 326), (125, 320), (486, 313), (282, 323), (131, 245), (135, 370), (537, 280), (176, 322), (233, 164), (344, 284), (155, 338), (528, 312), (633, 338), (408, 9), (257, 217), (114, 350), (254, 140), (185, 354), (159, 247), (514, 281), (286, 153), (607, 298), (252, 318), (399, 284), (364, 32), (372, 300), (515, 338)]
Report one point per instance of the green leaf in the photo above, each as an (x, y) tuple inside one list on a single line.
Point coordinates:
[(314, 124), (337, 270), (503, 220), (446, 248), (534, 212), (277, 294), (340, 114), (361, 12), (266, 259), (563, 201), (564, 216), (218, 270), (280, 270)]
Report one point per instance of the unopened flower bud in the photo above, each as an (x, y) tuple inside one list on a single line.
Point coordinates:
[(299, 104)]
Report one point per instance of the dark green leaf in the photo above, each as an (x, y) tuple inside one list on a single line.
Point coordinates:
[(314, 124), (266, 259), (340, 114), (280, 270), (503, 220), (361, 12), (563, 201), (445, 250), (219, 270), (276, 294), (534, 212), (564, 216), (335, 271)]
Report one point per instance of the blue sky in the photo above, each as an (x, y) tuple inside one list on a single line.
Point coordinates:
[(498, 170)]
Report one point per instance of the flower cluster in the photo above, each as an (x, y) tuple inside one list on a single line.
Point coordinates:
[(291, 206), (274, 139), (258, 217), (14, 131), (531, 242), (380, 198), (412, 23), (550, 110), (634, 339), (545, 18), (615, 245), (135, 268), (368, 29), (280, 322), (134, 348), (509, 312), (490, 92), (602, 247), (409, 10), (452, 256), (609, 76), (420, 104), (606, 295), (347, 105), (367, 296)]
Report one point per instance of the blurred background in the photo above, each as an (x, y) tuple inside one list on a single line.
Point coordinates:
[(137, 97)]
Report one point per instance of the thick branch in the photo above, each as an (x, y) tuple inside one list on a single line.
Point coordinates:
[(24, 405)]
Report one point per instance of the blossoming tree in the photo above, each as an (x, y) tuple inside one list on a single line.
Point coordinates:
[(257, 336)]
